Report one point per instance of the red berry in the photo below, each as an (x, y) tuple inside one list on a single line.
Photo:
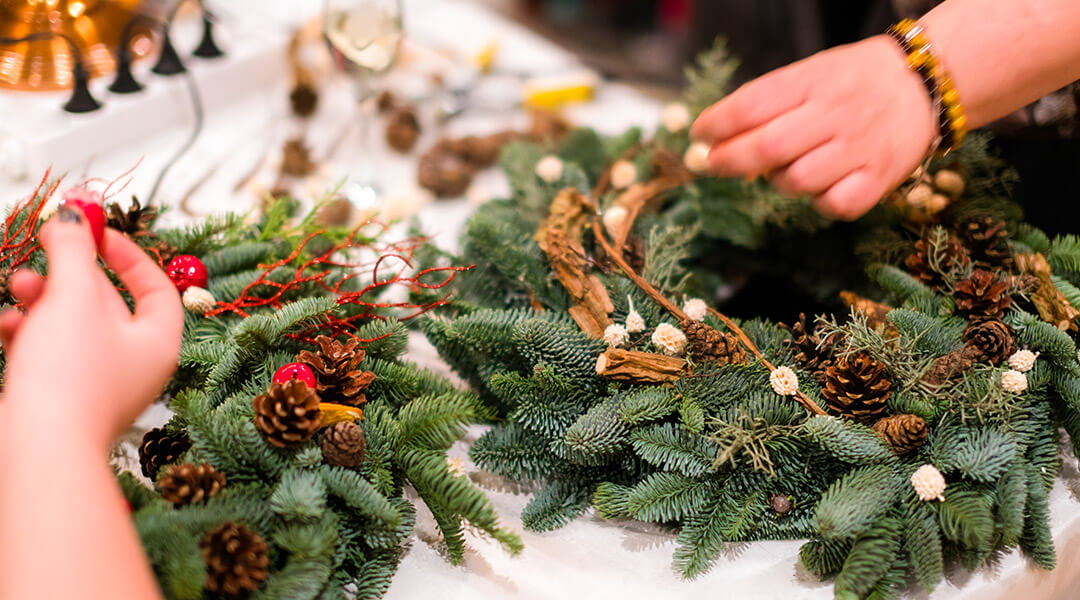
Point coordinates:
[(187, 271), (90, 204), (295, 371)]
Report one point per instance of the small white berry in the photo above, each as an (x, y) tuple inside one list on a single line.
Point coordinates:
[(675, 117), (696, 309), (198, 300), (1014, 381), (1023, 360), (615, 334), (623, 174), (614, 218), (929, 483), (697, 157), (784, 381), (549, 168), (670, 338)]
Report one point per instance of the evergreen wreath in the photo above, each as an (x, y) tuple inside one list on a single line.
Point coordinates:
[(918, 429), (239, 509)]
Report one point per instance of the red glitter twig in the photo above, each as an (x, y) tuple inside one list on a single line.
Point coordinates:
[(338, 267)]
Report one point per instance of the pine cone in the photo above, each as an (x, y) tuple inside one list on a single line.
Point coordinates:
[(987, 241), (163, 251), (811, 351), (5, 289), (991, 340), (190, 484), (336, 369), (928, 253), (344, 444), (982, 296), (303, 99), (296, 159), (135, 222), (857, 387), (709, 345), (159, 448), (403, 129), (444, 172), (949, 367), (236, 560), (288, 413), (903, 432)]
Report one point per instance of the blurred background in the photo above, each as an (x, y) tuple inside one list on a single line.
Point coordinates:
[(648, 41)]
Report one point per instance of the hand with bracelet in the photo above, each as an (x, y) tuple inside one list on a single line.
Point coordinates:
[(849, 124)]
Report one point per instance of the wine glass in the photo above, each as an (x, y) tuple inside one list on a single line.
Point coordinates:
[(364, 37)]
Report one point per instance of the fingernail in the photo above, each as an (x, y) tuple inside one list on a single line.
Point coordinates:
[(66, 214)]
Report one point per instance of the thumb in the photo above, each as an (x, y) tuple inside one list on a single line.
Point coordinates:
[(70, 247)]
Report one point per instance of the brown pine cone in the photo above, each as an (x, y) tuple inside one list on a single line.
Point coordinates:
[(811, 351), (344, 444), (336, 367), (992, 341), (982, 296), (162, 251), (950, 367), (928, 254), (5, 289), (134, 222), (987, 241), (403, 129), (296, 159), (303, 99), (708, 345), (903, 432), (857, 387), (159, 448), (236, 560), (190, 484), (444, 172), (288, 413)]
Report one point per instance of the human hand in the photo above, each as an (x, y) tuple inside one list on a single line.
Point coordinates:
[(78, 356), (845, 126)]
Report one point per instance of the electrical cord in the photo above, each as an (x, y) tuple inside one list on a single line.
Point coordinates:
[(198, 109)]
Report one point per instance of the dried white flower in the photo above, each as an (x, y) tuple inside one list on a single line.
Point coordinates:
[(616, 334), (198, 300), (549, 168), (634, 321), (696, 309), (670, 338), (456, 466), (623, 174), (614, 218), (1023, 360), (675, 117), (784, 381), (1014, 381), (929, 483), (697, 157)]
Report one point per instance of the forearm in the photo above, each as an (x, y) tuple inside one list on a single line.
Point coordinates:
[(65, 531), (1003, 54)]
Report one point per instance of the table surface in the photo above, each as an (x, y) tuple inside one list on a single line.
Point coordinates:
[(590, 557)]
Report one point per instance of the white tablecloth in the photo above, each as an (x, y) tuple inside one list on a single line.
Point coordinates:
[(590, 558)]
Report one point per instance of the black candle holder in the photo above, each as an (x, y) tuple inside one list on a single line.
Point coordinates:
[(169, 62), (81, 100), (207, 47)]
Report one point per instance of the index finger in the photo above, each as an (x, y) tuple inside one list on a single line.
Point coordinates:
[(749, 107), (156, 299)]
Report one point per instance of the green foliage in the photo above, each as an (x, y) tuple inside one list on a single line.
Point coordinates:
[(870, 559), (849, 441), (709, 79), (855, 501)]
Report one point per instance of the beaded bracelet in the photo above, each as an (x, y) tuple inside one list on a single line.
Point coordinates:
[(952, 123)]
